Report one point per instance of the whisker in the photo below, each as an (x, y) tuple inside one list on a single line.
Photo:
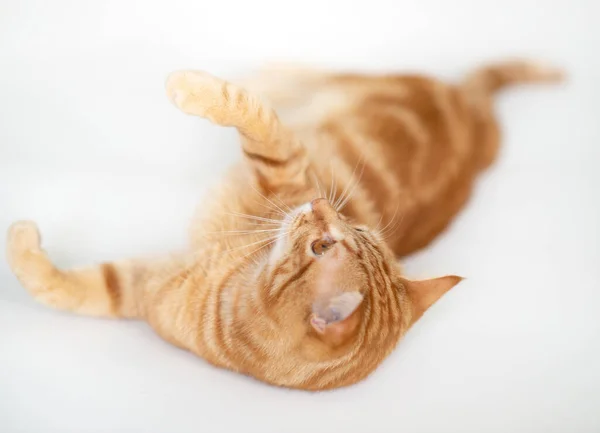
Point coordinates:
[(226, 232), (262, 223), (254, 217), (380, 219), (352, 191), (271, 209), (269, 237), (390, 229), (281, 201), (394, 228), (330, 182), (342, 195), (391, 220), (267, 199), (258, 242), (261, 247), (316, 180), (333, 191)]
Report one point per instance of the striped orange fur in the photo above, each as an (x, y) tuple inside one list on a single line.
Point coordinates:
[(292, 274)]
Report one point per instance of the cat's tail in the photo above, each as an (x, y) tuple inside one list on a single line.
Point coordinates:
[(492, 78), (479, 89)]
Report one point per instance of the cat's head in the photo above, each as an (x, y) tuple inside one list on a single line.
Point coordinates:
[(330, 279)]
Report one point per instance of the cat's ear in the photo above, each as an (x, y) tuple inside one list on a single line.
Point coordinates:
[(424, 293), (337, 319)]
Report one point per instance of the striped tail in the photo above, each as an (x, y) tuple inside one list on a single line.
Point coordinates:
[(495, 77)]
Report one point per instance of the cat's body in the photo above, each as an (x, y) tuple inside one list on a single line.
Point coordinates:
[(321, 304)]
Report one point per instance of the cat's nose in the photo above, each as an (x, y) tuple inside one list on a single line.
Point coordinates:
[(322, 209)]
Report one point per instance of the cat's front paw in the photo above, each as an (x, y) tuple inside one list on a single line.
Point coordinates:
[(194, 92)]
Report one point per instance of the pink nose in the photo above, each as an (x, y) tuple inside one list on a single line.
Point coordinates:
[(322, 209)]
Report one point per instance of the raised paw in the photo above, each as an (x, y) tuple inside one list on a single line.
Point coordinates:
[(195, 92)]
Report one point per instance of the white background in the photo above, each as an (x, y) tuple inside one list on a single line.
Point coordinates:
[(91, 149)]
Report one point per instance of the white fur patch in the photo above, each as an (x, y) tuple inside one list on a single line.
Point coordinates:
[(279, 247)]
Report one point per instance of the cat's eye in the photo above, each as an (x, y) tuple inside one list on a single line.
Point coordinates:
[(321, 246), (359, 229)]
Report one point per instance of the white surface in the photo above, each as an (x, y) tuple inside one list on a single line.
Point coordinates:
[(91, 149)]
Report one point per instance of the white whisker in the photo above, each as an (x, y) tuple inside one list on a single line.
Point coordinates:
[(382, 232), (394, 228), (352, 190), (380, 219), (261, 223), (227, 232), (343, 194), (267, 199), (289, 209), (258, 242), (254, 217), (333, 191), (262, 246), (316, 180)]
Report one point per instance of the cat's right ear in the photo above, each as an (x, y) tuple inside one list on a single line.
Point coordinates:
[(424, 293)]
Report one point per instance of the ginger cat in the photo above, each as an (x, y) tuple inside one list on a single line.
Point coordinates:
[(285, 282)]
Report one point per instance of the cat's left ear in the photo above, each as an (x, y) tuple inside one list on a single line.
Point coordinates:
[(337, 319), (424, 293)]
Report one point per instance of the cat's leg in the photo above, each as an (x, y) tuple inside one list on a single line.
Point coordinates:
[(107, 290), (278, 158)]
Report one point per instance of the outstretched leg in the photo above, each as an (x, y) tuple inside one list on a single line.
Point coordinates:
[(277, 156), (107, 290)]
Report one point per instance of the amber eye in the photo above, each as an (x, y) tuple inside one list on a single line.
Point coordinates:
[(321, 246)]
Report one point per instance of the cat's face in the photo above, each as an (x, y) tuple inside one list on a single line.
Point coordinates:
[(327, 276), (324, 270)]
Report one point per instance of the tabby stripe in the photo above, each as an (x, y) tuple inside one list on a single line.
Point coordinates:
[(274, 297), (351, 250), (225, 94), (375, 299), (271, 162), (244, 338), (266, 288), (239, 339), (218, 325), (113, 286)]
